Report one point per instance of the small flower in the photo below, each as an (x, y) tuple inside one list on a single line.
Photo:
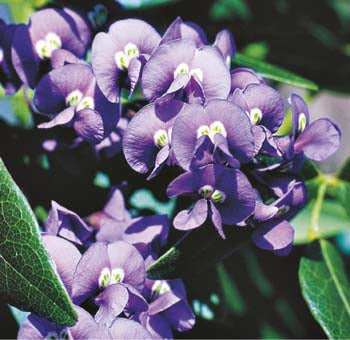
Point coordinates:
[(48, 30), (224, 194)]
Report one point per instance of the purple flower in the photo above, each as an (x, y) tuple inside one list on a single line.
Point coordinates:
[(148, 234), (273, 231), (262, 103), (178, 68), (223, 193), (241, 77), (86, 328), (124, 49), (61, 57), (224, 41), (147, 139), (71, 95), (107, 264), (48, 29), (67, 224), (168, 309), (185, 30), (8, 76), (219, 132)]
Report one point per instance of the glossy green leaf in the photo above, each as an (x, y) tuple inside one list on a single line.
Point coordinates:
[(27, 277), (195, 251), (332, 220), (273, 72), (137, 4), (326, 289)]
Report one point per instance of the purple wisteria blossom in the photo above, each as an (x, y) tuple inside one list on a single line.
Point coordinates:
[(48, 29), (168, 309), (219, 132), (86, 328), (122, 51), (117, 262), (224, 194), (179, 29), (147, 139), (8, 76), (317, 140), (70, 95), (179, 69), (273, 231), (241, 77)]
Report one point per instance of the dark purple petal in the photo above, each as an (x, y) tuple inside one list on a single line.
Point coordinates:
[(216, 219), (192, 218), (88, 124), (185, 183), (240, 196), (241, 77), (112, 302), (35, 327), (319, 140), (86, 282), (225, 43), (139, 145), (216, 81), (136, 302), (203, 153), (66, 224), (126, 257), (180, 316), (158, 73), (275, 235), (222, 154), (65, 257), (24, 59), (128, 329), (159, 327)]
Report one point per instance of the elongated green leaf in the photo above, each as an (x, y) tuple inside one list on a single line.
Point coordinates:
[(326, 289), (196, 251), (273, 72), (27, 277), (333, 219)]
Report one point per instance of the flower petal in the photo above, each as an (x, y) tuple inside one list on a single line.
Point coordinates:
[(128, 329)]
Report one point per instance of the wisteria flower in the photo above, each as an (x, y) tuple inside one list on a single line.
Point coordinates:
[(67, 224), (224, 194), (273, 231), (168, 309), (219, 132), (117, 262), (8, 76), (147, 139), (48, 29), (179, 29), (178, 68), (122, 51), (35, 327), (70, 94), (241, 77), (317, 140)]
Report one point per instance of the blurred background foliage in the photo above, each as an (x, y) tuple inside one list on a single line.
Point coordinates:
[(251, 294)]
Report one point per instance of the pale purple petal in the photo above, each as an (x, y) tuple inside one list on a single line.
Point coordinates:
[(216, 219), (192, 218), (128, 329), (63, 118), (319, 140), (225, 43), (241, 77)]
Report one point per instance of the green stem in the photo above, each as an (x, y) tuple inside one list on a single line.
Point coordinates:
[(315, 216)]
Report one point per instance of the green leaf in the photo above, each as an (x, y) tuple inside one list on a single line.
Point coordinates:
[(273, 72), (27, 276), (333, 219), (137, 4), (344, 172), (195, 251), (230, 292), (326, 289)]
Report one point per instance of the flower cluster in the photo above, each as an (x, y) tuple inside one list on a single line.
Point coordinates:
[(219, 126), (102, 261)]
